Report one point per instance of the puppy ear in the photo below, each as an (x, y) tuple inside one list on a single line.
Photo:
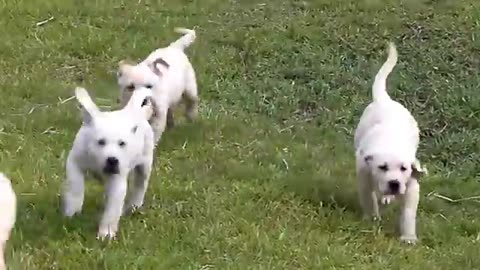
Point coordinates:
[(155, 69), (125, 62), (155, 66), (134, 129), (417, 170), (148, 107), (122, 66), (141, 102), (90, 110), (368, 159)]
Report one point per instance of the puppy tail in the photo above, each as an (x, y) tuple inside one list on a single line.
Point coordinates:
[(379, 89), (186, 40)]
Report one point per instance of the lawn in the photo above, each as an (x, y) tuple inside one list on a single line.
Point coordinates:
[(264, 179)]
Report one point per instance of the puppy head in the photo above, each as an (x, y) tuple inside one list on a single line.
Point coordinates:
[(392, 172), (131, 77), (112, 139)]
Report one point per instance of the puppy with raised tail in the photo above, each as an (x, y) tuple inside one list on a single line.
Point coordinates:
[(111, 145), (8, 210), (171, 77), (386, 142)]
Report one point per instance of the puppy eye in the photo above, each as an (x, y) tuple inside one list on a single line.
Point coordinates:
[(149, 86), (383, 167), (403, 168), (131, 87), (121, 144), (102, 142)]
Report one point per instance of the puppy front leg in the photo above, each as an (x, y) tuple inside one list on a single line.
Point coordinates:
[(141, 176), (367, 196), (408, 216), (116, 191), (170, 119), (74, 189), (158, 124), (2, 256)]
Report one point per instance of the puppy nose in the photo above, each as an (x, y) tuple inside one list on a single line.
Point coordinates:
[(112, 162), (394, 186), (111, 166)]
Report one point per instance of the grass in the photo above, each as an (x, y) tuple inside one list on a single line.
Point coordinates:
[(264, 179)]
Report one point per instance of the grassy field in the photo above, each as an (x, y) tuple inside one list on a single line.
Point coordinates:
[(264, 179)]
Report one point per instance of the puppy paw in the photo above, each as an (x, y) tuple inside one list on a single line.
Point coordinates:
[(387, 199), (70, 212), (131, 209), (409, 239), (70, 209), (107, 232), (372, 218)]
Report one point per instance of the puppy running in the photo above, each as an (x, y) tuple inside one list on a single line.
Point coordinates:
[(170, 75), (8, 209), (110, 145), (386, 142)]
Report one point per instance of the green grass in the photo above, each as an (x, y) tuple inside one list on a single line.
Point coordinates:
[(264, 179)]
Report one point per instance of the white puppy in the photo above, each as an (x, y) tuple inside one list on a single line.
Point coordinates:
[(386, 142), (170, 75), (110, 145), (8, 209)]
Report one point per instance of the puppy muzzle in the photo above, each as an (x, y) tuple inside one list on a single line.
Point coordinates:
[(111, 166), (393, 187)]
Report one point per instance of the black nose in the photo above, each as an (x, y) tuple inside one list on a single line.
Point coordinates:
[(112, 161), (111, 165), (394, 186)]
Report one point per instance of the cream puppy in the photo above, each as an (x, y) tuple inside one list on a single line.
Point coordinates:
[(386, 142), (170, 75), (8, 209), (111, 145)]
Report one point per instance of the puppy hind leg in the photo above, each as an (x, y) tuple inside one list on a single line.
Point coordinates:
[(408, 216), (74, 189), (191, 96)]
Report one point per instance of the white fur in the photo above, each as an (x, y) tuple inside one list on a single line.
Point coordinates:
[(170, 84), (386, 142), (124, 135), (8, 209)]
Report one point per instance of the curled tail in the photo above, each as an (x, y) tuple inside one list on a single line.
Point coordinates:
[(185, 41), (379, 89)]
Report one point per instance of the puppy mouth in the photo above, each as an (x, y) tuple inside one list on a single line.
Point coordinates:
[(111, 170)]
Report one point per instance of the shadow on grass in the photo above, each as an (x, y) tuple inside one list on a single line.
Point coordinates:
[(41, 222), (190, 132), (325, 175)]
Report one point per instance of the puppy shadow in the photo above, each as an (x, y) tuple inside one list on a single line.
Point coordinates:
[(336, 191), (40, 221), (185, 133)]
